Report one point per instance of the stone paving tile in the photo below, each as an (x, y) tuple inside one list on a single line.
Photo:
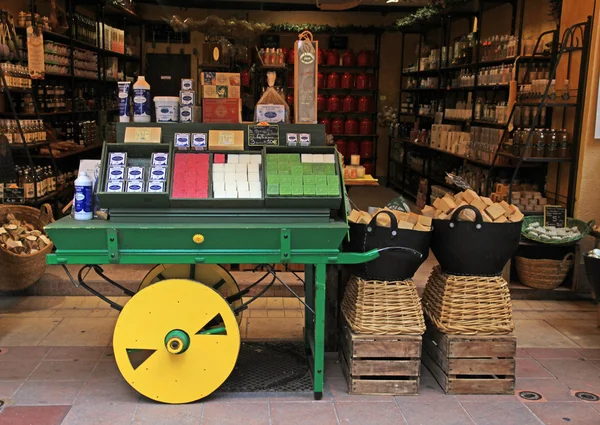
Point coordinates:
[(429, 391), (23, 331), (553, 353), (101, 414), (23, 353), (223, 397), (540, 334), (530, 368), (309, 413), (74, 353), (95, 332), (590, 353), (560, 413), (522, 354), (107, 391), (573, 369), (8, 388), (435, 413), (361, 413), (63, 369), (34, 415), (236, 414), (106, 370), (48, 393), (549, 389), (585, 333), (339, 390), (17, 369), (502, 413), (167, 414)]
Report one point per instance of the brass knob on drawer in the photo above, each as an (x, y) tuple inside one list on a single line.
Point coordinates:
[(198, 239)]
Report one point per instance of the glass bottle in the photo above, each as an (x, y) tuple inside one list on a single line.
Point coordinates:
[(564, 148), (552, 145)]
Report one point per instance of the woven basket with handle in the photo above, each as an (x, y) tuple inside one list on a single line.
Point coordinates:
[(22, 271), (544, 274)]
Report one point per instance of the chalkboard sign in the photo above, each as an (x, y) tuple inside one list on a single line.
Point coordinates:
[(555, 215), (7, 166), (269, 41), (339, 42), (263, 135), (14, 195)]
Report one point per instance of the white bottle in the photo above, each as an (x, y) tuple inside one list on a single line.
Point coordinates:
[(141, 100), (82, 204)]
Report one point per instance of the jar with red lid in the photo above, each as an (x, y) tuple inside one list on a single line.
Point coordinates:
[(372, 58), (320, 80), (285, 52), (321, 56), (333, 81), (334, 104), (327, 123), (321, 103), (291, 80), (333, 58), (364, 104), (245, 78), (371, 82), (366, 126), (362, 81), (369, 167), (353, 148), (363, 59), (349, 104), (342, 146), (348, 58), (290, 99), (337, 126), (347, 80), (291, 56), (366, 149), (351, 126)]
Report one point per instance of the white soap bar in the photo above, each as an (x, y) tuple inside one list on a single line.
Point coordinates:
[(255, 186), (218, 186), (231, 194), (329, 159), (243, 194), (241, 177), (135, 173), (229, 168), (256, 159), (135, 186), (233, 158), (306, 157), (253, 168), (156, 186), (253, 177), (218, 167), (241, 168), (116, 173), (160, 158), (244, 158), (255, 194), (230, 177), (220, 194), (118, 158), (242, 186), (158, 173), (230, 186), (317, 158), (115, 186), (218, 177)]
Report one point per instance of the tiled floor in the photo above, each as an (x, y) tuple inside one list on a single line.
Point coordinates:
[(56, 367)]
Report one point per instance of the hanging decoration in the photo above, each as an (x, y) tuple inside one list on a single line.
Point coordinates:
[(434, 9)]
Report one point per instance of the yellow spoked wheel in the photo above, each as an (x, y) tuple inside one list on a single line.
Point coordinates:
[(176, 341), (212, 275)]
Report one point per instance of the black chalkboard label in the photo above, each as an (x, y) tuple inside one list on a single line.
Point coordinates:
[(339, 42), (269, 41), (555, 215), (14, 195), (263, 135)]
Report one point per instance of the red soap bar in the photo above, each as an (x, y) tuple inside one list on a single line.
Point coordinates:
[(219, 158), (190, 176)]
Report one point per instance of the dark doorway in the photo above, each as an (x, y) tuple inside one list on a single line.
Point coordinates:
[(165, 71)]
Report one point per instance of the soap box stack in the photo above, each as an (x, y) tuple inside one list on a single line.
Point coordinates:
[(239, 177), (220, 93), (189, 111), (123, 178)]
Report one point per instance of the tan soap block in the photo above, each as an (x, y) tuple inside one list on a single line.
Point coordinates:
[(437, 203), (365, 218), (537, 195), (442, 216), (413, 218), (469, 196), (508, 210), (479, 204), (459, 197), (422, 228), (487, 200), (538, 208), (438, 213), (486, 218), (450, 200), (447, 204), (354, 216), (543, 201), (467, 215), (495, 211), (405, 225), (383, 220), (401, 215), (532, 201), (517, 216), (501, 219), (516, 195), (524, 201), (428, 211), (425, 221)]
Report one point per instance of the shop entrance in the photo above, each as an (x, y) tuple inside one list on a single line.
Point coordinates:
[(165, 71)]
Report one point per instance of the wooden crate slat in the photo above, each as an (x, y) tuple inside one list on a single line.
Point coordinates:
[(373, 346), (385, 367), (481, 386), (481, 367)]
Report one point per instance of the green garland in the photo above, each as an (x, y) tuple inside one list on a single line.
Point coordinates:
[(314, 28), (433, 10)]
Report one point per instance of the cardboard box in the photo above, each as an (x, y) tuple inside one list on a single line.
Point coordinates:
[(222, 111), (231, 140), (227, 79), (233, 92), (208, 78)]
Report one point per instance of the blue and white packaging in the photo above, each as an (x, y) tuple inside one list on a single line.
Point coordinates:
[(160, 158), (158, 173), (124, 113), (187, 98), (186, 114), (199, 142), (187, 84), (117, 158), (115, 186), (181, 141), (116, 173), (156, 186), (135, 173), (135, 186), (83, 199)]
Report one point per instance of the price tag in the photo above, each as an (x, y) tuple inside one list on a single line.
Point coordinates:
[(263, 135), (555, 215)]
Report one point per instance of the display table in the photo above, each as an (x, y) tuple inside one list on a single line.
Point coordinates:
[(368, 180)]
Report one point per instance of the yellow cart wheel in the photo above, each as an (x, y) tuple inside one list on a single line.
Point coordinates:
[(176, 341), (212, 275)]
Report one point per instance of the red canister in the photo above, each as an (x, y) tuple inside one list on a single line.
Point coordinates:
[(290, 99), (321, 103), (291, 79), (245, 78), (364, 104), (333, 81), (333, 58), (372, 58), (353, 148), (366, 149), (321, 56), (334, 104), (291, 56), (337, 126), (348, 58), (366, 126), (371, 83), (349, 104), (351, 126), (347, 80), (363, 59), (362, 81), (320, 80), (327, 123), (369, 167), (342, 147)]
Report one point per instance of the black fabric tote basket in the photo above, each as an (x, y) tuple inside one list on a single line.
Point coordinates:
[(401, 251), (468, 248)]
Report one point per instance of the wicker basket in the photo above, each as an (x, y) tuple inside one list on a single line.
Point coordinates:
[(22, 271), (468, 305), (377, 307), (544, 274)]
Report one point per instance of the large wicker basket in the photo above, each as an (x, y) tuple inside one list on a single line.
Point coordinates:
[(543, 274), (22, 271)]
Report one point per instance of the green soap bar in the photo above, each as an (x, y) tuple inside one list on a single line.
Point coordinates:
[(285, 179), (318, 169), (284, 171), (307, 168), (285, 189), (332, 180), (273, 178), (272, 189), (310, 190), (297, 170), (321, 180), (329, 169), (297, 191), (321, 191), (333, 191), (296, 186), (297, 180), (294, 158), (312, 180)]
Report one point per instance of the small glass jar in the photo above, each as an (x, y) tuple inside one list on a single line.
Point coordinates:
[(538, 149)]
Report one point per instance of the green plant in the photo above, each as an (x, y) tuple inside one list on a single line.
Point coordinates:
[(555, 11)]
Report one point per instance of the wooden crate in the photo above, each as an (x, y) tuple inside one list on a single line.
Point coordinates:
[(465, 364), (380, 364)]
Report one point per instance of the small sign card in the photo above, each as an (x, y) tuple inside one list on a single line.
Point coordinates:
[(263, 135), (555, 215)]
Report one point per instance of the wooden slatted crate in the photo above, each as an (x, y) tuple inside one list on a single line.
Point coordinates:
[(471, 364), (380, 364)]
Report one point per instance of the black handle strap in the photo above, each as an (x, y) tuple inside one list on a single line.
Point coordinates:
[(478, 217), (393, 226)]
